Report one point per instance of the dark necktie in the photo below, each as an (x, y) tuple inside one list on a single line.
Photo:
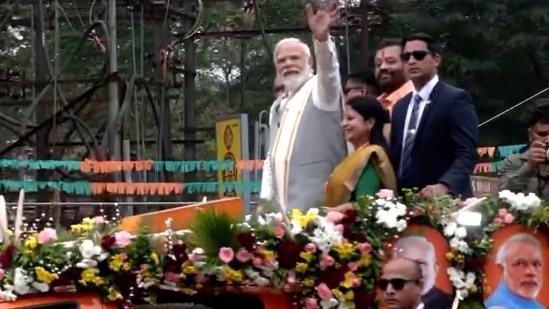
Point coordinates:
[(406, 158)]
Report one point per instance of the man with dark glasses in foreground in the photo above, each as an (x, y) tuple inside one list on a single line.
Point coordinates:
[(434, 129), (401, 284)]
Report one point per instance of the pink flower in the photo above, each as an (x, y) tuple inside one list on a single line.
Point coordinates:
[(339, 228), (226, 255), (99, 220), (269, 262), (287, 288), (508, 218), (352, 266), (62, 289), (502, 212), (257, 262), (278, 220), (324, 291), (355, 282), (260, 249), (385, 193), (122, 239), (171, 277), (322, 265), (46, 235), (1, 274), (470, 200), (310, 247), (311, 303), (200, 278), (291, 280), (365, 247), (498, 221), (327, 259), (279, 232), (334, 217), (243, 256)]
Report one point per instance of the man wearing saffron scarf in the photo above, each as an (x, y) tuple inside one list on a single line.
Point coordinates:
[(521, 263), (306, 138), (390, 77)]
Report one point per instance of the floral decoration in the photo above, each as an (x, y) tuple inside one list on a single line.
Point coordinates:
[(324, 260)]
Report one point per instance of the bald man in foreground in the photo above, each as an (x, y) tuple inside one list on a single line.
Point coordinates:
[(401, 284), (306, 139)]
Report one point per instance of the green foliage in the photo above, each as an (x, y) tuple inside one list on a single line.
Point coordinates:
[(214, 230)]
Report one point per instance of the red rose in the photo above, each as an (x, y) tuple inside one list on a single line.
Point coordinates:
[(333, 276), (180, 252), (350, 216), (5, 260), (10, 250), (288, 254), (107, 242), (359, 237), (476, 264), (364, 299), (246, 240), (347, 231)]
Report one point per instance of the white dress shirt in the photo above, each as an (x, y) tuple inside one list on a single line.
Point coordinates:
[(424, 93), (326, 96), (420, 306)]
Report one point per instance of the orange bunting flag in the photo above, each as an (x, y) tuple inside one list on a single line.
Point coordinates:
[(483, 168), (128, 188), (250, 164), (89, 166)]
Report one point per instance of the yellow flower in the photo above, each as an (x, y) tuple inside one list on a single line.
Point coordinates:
[(269, 254), (345, 250), (365, 260), (460, 258), (306, 256), (198, 286), (449, 256), (349, 296), (10, 233), (44, 276), (188, 291), (301, 267), (114, 294), (308, 282), (31, 242), (189, 269), (232, 275), (89, 276), (348, 281), (473, 288), (154, 258), (337, 293), (295, 214), (116, 262)]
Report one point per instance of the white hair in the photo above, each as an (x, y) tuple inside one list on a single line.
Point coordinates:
[(278, 45), (414, 240), (502, 252)]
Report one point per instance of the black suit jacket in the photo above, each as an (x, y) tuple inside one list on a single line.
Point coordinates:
[(445, 147), (436, 299)]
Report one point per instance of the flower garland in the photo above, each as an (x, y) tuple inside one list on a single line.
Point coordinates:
[(325, 261), (469, 251)]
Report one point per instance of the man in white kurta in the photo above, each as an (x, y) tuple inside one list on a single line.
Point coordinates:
[(306, 139)]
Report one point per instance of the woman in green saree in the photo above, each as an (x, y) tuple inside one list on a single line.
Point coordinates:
[(368, 169)]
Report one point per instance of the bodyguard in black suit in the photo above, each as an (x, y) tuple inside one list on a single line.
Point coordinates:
[(434, 132)]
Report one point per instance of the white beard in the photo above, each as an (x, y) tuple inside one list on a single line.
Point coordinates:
[(294, 81)]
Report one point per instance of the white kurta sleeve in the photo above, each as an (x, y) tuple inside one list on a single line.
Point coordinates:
[(327, 92), (267, 180)]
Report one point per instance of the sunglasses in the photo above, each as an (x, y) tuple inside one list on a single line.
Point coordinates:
[(417, 54), (347, 90), (397, 283)]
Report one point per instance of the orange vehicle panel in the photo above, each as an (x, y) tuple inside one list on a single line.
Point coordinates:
[(85, 301), (182, 216)]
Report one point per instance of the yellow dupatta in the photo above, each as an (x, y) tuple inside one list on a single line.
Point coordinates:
[(345, 176)]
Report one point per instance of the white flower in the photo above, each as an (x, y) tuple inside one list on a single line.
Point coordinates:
[(450, 228), (327, 304), (41, 287), (8, 294), (87, 249), (461, 281), (21, 281), (461, 232), (520, 201)]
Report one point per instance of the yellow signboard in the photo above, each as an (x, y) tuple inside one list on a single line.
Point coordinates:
[(229, 148)]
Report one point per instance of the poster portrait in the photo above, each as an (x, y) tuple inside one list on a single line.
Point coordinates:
[(427, 247), (516, 270)]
